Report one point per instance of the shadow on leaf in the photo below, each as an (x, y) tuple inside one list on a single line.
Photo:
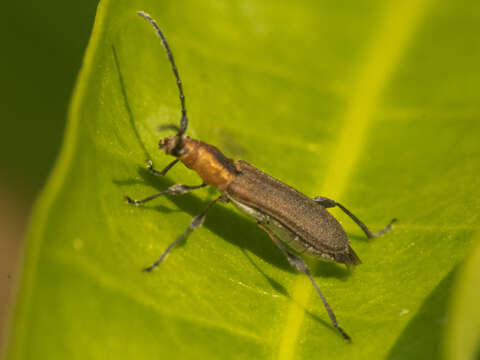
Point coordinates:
[(422, 338), (229, 225)]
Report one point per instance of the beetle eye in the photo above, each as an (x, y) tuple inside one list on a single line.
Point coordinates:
[(164, 144), (182, 151)]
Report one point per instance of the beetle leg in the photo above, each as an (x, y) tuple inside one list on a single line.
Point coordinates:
[(177, 189), (328, 203), (162, 172), (196, 222), (298, 263)]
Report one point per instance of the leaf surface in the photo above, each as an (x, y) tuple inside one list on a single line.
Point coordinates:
[(373, 104)]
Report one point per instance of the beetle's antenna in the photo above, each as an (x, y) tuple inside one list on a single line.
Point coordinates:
[(184, 119)]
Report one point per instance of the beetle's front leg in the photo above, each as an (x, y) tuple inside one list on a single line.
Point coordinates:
[(328, 203), (162, 172), (298, 263), (177, 189), (196, 222)]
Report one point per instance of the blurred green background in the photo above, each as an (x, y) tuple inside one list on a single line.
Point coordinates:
[(43, 46)]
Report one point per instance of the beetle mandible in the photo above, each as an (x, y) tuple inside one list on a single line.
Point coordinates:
[(296, 223)]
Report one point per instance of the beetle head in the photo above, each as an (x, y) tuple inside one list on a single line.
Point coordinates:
[(173, 145)]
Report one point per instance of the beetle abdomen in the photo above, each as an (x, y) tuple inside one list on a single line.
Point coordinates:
[(319, 233), (347, 256)]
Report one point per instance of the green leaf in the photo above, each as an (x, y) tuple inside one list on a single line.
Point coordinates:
[(463, 340), (373, 104)]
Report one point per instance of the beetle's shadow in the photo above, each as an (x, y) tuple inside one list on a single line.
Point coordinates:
[(228, 224)]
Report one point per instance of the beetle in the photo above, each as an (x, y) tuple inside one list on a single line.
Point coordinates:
[(295, 223)]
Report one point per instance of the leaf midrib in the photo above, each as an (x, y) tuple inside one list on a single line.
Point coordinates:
[(399, 21)]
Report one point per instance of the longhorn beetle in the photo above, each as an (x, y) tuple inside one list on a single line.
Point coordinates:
[(296, 223)]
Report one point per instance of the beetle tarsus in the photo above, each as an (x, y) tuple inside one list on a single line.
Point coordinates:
[(325, 303), (386, 229), (129, 200), (162, 172)]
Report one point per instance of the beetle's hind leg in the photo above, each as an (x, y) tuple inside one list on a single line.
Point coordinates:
[(328, 203), (177, 189), (298, 263), (196, 222)]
